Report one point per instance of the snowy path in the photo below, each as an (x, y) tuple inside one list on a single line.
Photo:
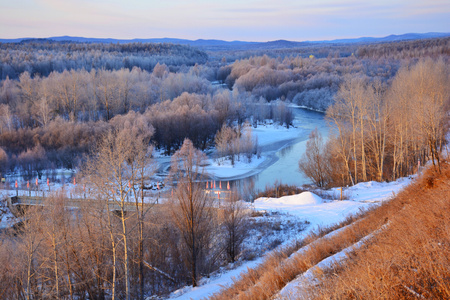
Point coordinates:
[(209, 286), (294, 288)]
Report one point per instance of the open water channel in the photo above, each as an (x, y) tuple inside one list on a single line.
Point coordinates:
[(282, 165)]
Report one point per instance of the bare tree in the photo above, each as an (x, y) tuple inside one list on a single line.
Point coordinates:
[(28, 248), (420, 97), (33, 160), (224, 142), (6, 118), (42, 112), (141, 168), (314, 162), (378, 115), (191, 209), (235, 225), (231, 142), (120, 155), (348, 111)]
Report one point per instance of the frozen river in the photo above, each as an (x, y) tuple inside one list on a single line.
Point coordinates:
[(284, 156)]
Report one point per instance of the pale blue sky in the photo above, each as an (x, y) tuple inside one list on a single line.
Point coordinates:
[(251, 20)]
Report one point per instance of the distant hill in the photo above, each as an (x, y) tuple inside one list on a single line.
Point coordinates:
[(197, 43), (392, 38), (216, 45)]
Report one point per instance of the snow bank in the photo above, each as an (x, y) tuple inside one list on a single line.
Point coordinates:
[(223, 168), (305, 198), (373, 191), (268, 134), (312, 208)]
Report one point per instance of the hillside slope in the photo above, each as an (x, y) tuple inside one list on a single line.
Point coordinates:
[(408, 260), (399, 249)]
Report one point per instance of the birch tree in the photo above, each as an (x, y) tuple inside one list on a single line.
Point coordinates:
[(191, 209), (110, 171)]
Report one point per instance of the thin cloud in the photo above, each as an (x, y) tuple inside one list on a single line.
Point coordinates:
[(231, 20)]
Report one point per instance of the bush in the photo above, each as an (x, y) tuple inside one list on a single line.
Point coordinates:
[(279, 190)]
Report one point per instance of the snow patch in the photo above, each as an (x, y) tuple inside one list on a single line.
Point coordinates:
[(294, 288), (305, 198), (210, 286), (222, 168), (271, 133)]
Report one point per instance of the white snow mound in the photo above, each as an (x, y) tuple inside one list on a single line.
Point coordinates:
[(305, 198)]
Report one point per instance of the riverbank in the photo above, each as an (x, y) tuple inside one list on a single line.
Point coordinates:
[(280, 148), (271, 139)]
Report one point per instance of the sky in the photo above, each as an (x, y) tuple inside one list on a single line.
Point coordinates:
[(245, 20)]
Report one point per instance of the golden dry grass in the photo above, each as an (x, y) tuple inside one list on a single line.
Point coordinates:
[(282, 266), (409, 260), (416, 242)]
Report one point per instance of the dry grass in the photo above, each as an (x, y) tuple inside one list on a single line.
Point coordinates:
[(410, 260), (279, 190), (417, 242), (282, 266)]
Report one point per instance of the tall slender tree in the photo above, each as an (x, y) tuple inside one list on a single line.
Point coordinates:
[(120, 155), (191, 209)]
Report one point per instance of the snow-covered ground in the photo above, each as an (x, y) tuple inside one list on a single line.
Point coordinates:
[(308, 207), (222, 168), (272, 133), (271, 138), (209, 286)]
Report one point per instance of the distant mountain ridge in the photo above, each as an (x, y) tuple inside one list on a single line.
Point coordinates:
[(213, 44), (392, 38), (200, 42)]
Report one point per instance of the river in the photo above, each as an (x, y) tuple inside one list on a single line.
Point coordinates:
[(283, 166)]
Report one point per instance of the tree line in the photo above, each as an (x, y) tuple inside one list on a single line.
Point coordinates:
[(383, 131), (95, 95), (57, 119), (309, 82), (40, 57), (310, 76), (406, 49)]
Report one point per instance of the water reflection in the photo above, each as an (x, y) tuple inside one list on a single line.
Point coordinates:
[(285, 151), (245, 187)]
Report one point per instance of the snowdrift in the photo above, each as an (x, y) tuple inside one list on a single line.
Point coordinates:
[(305, 198)]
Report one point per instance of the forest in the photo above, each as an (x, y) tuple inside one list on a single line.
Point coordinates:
[(42, 56), (90, 87), (103, 108)]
